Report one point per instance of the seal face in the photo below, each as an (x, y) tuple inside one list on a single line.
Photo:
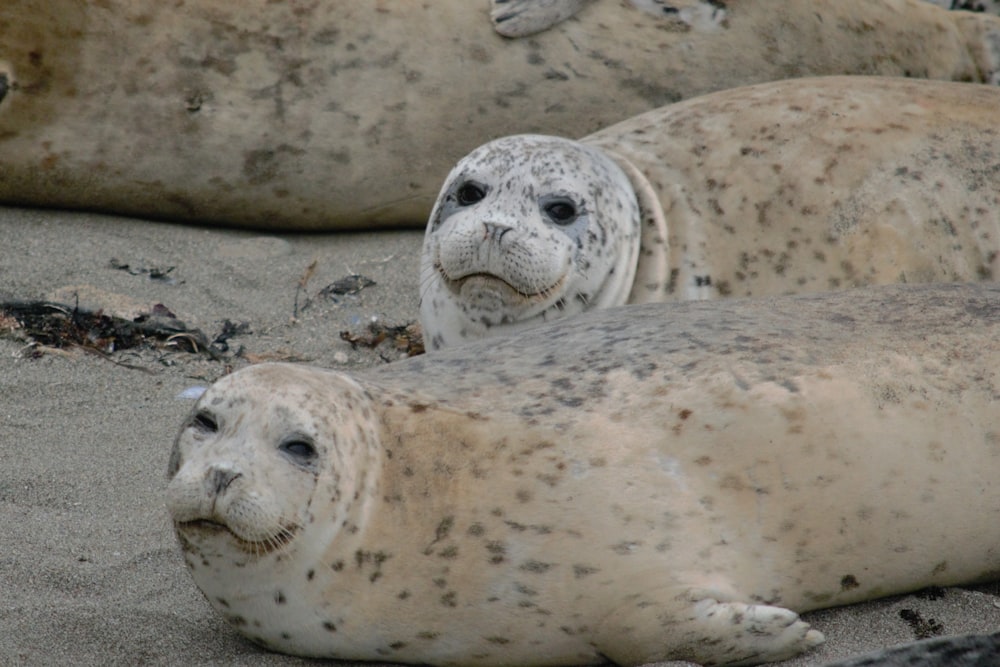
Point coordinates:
[(656, 482), (526, 228), (250, 474)]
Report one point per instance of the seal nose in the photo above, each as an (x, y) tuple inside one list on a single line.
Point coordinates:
[(218, 478), (495, 231)]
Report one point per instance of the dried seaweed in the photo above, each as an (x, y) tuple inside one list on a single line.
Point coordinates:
[(154, 273), (405, 337), (922, 629), (58, 326), (351, 284)]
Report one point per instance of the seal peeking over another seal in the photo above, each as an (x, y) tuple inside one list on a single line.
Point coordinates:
[(793, 186), (663, 481)]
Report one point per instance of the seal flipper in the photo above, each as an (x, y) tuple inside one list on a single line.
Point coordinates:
[(520, 18), (730, 633)]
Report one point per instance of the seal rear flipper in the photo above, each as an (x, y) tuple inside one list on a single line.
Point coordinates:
[(712, 632), (520, 18)]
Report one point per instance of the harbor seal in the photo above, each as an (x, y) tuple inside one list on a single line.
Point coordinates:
[(660, 481), (791, 186), (328, 115)]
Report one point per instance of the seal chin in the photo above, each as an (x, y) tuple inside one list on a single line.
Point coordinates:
[(202, 529)]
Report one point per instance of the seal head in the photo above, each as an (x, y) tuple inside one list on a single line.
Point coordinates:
[(527, 228), (261, 484)]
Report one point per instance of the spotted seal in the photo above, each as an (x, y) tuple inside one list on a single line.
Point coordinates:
[(327, 115), (659, 481), (792, 186)]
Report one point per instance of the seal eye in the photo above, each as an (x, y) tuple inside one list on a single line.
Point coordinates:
[(561, 211), (469, 193), (301, 450), (204, 423)]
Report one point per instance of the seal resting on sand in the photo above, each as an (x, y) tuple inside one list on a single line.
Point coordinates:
[(663, 481), (347, 115)]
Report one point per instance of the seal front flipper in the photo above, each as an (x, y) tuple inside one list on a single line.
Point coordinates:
[(712, 633), (520, 18)]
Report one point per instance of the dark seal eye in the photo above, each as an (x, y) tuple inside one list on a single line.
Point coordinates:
[(204, 423), (469, 193), (299, 449), (560, 211)]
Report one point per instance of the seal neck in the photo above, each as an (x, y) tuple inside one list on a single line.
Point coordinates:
[(649, 283)]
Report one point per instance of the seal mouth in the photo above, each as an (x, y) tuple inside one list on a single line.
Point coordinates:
[(491, 292), (262, 547)]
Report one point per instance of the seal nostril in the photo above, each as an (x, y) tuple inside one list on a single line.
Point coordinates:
[(492, 230), (220, 478)]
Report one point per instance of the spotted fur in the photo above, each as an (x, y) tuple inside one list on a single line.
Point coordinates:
[(787, 187)]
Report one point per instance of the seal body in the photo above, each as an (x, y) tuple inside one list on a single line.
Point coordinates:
[(329, 115), (663, 481), (785, 187)]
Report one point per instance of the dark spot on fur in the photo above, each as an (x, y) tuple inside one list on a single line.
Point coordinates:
[(330, 627), (525, 590), (537, 567), (497, 551), (848, 582), (580, 571), (624, 548), (279, 597)]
